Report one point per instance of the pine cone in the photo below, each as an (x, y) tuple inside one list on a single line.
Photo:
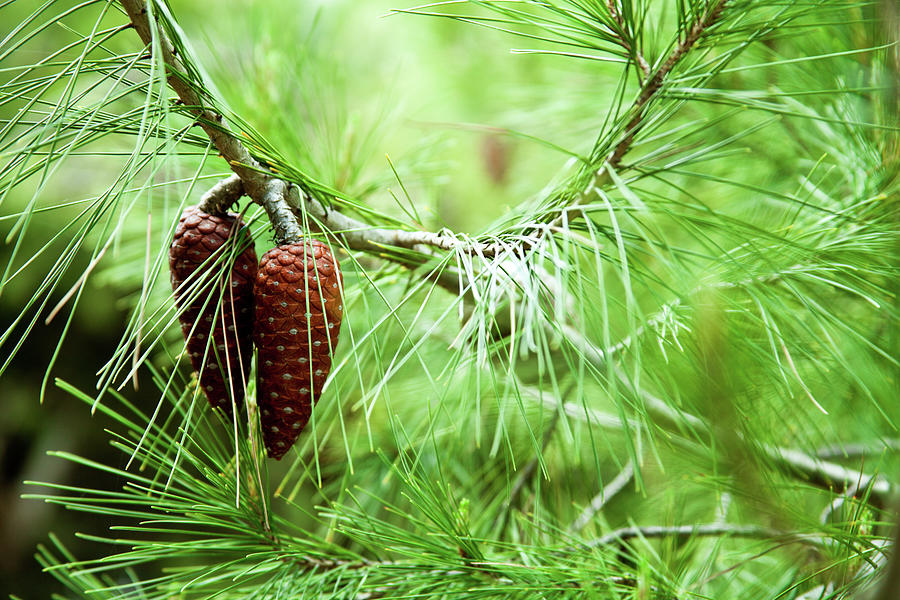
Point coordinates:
[(294, 341), (197, 237)]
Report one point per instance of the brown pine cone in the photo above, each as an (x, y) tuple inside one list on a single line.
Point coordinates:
[(294, 341), (230, 323)]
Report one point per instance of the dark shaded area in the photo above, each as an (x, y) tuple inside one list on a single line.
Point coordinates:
[(29, 430)]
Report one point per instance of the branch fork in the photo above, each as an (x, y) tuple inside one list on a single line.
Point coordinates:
[(286, 204)]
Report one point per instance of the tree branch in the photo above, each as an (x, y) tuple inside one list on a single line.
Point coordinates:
[(848, 451), (362, 236), (222, 195), (284, 203), (620, 21), (356, 234), (655, 82), (819, 473), (652, 84), (615, 486), (280, 214), (256, 182), (707, 530)]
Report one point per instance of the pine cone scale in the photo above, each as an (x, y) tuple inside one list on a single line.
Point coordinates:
[(217, 313), (296, 329)]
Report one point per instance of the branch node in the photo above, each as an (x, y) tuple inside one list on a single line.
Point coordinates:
[(222, 195)]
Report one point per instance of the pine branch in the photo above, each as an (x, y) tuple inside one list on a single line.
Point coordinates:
[(254, 179), (656, 81), (222, 195), (309, 563), (820, 473), (616, 14), (600, 500), (283, 202), (850, 451), (705, 530), (355, 234), (652, 83)]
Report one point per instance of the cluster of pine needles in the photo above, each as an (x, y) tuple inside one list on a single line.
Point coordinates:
[(667, 370)]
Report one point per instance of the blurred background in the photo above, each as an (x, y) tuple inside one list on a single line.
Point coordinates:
[(453, 109), (442, 98)]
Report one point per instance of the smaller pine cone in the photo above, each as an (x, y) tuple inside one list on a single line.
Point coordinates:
[(298, 319), (197, 237)]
